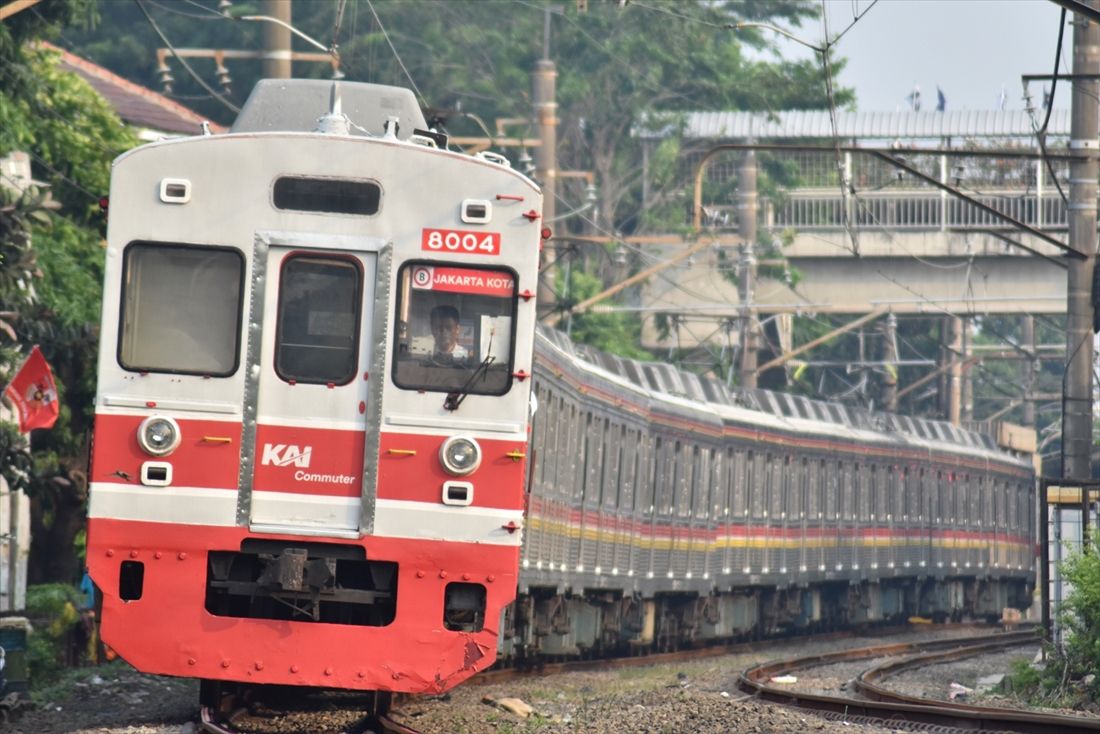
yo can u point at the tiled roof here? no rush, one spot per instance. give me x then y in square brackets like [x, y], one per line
[135, 104]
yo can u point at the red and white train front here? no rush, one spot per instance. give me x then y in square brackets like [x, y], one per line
[311, 422]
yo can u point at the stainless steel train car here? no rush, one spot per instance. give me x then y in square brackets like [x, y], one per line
[311, 421]
[665, 509]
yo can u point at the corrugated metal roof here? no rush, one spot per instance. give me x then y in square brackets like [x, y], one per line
[135, 104]
[863, 125]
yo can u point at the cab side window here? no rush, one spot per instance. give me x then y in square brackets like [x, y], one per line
[181, 309]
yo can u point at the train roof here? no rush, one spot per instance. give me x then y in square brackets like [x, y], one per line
[295, 105]
[756, 405]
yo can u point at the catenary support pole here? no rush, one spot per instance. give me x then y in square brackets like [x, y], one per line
[1084, 170]
[546, 157]
[746, 272]
[277, 40]
[890, 358]
[1027, 328]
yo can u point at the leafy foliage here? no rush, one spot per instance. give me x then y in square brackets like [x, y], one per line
[618, 66]
[1069, 677]
[1080, 615]
[612, 332]
[52, 610]
[51, 266]
[41, 22]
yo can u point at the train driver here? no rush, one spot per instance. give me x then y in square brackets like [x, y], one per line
[444, 324]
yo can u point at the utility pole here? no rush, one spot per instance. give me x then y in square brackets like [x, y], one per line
[954, 400]
[890, 370]
[746, 228]
[967, 410]
[277, 40]
[1084, 171]
[546, 155]
[1028, 338]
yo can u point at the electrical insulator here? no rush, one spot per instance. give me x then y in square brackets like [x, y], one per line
[223, 77]
[166, 78]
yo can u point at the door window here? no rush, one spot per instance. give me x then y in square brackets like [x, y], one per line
[317, 338]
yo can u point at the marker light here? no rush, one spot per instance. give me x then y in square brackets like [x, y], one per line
[158, 435]
[460, 455]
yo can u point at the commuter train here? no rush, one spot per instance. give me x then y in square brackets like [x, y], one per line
[326, 421]
[665, 510]
[313, 400]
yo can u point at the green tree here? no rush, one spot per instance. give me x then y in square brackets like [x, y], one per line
[471, 62]
[52, 291]
[1064, 680]
[1080, 615]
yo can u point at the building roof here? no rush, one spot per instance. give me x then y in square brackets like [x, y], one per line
[135, 104]
[864, 125]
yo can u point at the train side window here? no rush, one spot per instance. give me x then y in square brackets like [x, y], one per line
[629, 451]
[581, 469]
[758, 492]
[455, 329]
[739, 478]
[794, 478]
[317, 337]
[613, 468]
[181, 309]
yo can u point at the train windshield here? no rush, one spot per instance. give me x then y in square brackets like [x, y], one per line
[181, 309]
[454, 329]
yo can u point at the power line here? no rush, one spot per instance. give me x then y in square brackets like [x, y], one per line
[396, 55]
[1041, 133]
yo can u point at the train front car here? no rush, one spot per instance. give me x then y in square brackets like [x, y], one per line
[311, 422]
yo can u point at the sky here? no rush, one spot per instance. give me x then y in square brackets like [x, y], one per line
[971, 49]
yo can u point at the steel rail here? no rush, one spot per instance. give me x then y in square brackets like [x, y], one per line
[1042, 722]
[938, 713]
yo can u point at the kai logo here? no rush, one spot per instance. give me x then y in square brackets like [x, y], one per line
[279, 454]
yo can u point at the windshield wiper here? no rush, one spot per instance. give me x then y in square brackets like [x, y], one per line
[454, 399]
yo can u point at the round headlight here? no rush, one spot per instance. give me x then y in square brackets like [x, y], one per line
[158, 436]
[460, 455]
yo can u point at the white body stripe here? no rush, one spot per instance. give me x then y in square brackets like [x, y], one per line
[305, 510]
[182, 505]
[394, 518]
[424, 521]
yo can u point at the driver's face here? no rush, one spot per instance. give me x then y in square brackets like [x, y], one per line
[445, 332]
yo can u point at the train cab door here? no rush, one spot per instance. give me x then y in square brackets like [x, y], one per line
[313, 309]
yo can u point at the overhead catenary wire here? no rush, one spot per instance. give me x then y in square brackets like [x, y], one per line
[1041, 133]
[396, 55]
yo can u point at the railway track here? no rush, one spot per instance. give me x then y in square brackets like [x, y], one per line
[877, 706]
[879, 703]
[238, 711]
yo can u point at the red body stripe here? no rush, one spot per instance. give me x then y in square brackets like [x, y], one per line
[319, 461]
[196, 463]
[419, 477]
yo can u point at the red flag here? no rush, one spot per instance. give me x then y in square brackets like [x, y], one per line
[33, 393]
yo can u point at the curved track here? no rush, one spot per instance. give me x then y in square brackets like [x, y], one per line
[882, 704]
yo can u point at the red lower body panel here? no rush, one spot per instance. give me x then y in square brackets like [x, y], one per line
[168, 630]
